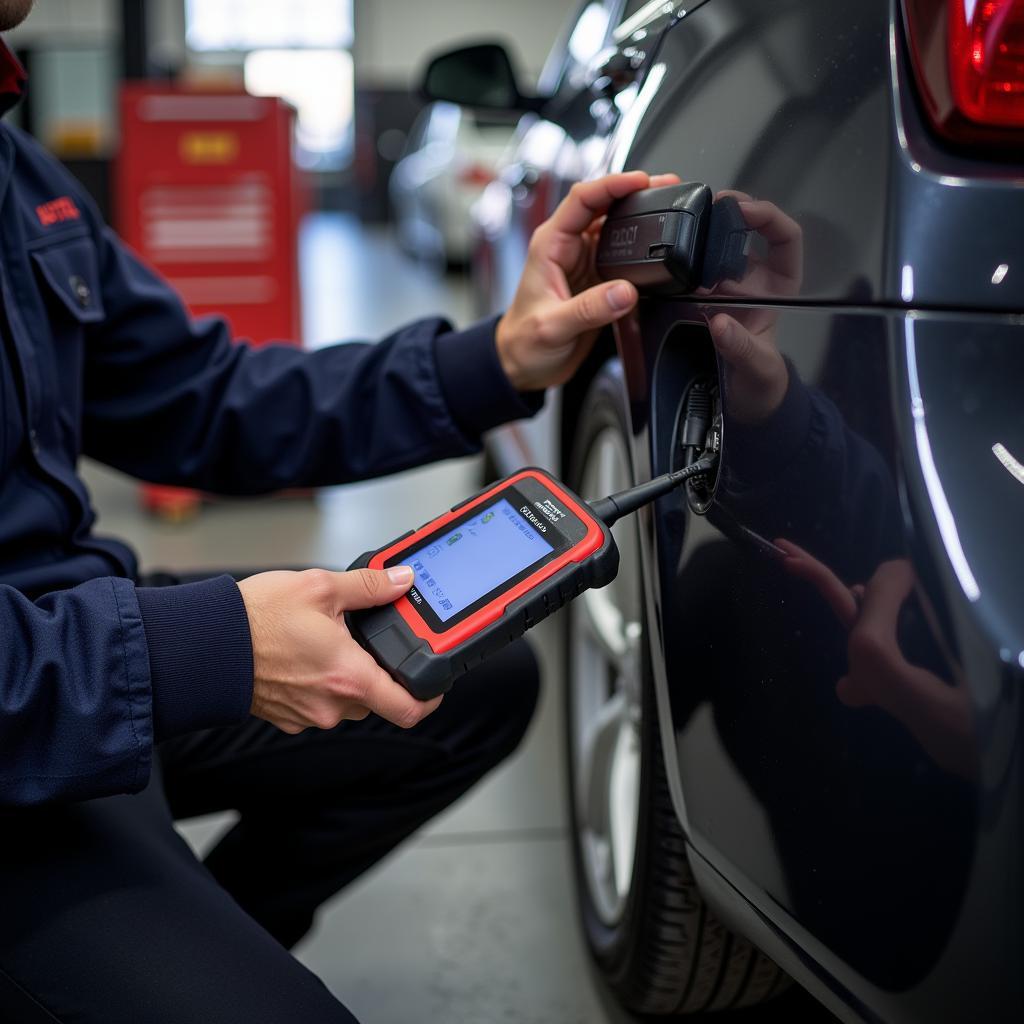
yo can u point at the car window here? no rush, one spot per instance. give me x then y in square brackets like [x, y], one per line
[583, 38]
[637, 13]
[632, 6]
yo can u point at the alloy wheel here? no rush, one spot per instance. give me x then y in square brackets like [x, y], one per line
[605, 699]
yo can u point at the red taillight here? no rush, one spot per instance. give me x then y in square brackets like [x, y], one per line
[986, 60]
[476, 175]
[968, 56]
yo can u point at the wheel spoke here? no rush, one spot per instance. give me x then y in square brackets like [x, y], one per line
[607, 626]
[609, 469]
[606, 638]
[623, 806]
[597, 752]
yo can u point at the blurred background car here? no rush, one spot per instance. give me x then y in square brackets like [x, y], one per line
[449, 159]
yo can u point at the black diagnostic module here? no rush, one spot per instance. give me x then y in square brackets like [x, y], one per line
[674, 239]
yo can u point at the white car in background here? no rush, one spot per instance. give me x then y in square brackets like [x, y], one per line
[450, 157]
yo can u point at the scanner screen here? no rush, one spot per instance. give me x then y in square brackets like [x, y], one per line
[480, 554]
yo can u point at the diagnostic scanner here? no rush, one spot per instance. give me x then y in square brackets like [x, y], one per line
[489, 569]
[672, 239]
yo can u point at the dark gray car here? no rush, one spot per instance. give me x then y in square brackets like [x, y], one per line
[793, 727]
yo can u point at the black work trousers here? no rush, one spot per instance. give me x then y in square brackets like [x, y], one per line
[106, 917]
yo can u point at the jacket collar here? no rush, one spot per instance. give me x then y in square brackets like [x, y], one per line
[12, 78]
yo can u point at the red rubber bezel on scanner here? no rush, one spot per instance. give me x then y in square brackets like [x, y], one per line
[462, 631]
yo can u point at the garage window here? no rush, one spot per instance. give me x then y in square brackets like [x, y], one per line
[299, 50]
[258, 24]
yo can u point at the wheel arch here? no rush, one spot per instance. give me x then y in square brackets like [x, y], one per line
[574, 393]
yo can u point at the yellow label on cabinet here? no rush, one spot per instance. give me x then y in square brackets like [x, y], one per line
[208, 147]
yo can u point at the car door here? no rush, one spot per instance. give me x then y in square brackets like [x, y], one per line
[825, 773]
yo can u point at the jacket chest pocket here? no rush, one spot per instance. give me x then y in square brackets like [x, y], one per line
[69, 282]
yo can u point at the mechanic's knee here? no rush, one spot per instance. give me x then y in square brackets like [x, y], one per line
[520, 687]
[503, 692]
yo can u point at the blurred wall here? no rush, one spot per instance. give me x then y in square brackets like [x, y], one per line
[52, 21]
[72, 49]
[392, 36]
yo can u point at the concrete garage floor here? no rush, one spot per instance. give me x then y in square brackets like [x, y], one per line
[471, 922]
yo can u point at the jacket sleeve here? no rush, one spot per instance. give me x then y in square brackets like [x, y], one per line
[176, 401]
[91, 677]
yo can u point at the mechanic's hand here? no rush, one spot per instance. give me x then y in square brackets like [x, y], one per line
[756, 377]
[309, 672]
[560, 306]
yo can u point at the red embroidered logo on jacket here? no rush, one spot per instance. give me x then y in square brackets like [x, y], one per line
[56, 211]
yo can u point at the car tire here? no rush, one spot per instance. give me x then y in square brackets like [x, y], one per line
[654, 941]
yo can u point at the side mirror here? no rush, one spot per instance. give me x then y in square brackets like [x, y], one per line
[478, 76]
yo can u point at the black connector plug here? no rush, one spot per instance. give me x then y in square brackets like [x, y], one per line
[611, 509]
[697, 420]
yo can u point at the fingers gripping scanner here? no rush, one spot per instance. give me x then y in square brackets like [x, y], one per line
[491, 568]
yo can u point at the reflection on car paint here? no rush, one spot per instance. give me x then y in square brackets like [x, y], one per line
[832, 682]
[846, 724]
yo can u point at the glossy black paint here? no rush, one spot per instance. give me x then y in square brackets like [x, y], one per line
[877, 839]
[849, 775]
[841, 723]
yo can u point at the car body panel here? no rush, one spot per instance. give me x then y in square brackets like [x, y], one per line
[810, 106]
[887, 857]
[852, 796]
[878, 843]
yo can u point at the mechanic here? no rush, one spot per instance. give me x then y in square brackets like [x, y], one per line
[124, 705]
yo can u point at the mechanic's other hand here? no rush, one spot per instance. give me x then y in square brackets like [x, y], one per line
[560, 305]
[309, 672]
[938, 715]
[775, 267]
[756, 375]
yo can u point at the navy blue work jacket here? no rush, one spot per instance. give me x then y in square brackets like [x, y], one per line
[98, 356]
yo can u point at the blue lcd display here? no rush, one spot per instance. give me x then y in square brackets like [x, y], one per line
[459, 567]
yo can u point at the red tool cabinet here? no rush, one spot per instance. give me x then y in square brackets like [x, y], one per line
[207, 192]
